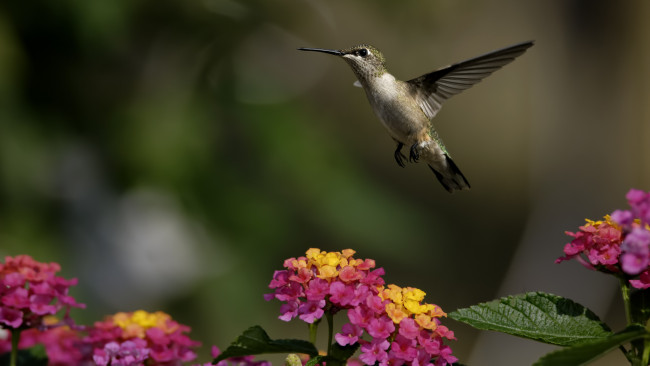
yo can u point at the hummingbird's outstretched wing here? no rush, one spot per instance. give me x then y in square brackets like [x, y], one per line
[432, 89]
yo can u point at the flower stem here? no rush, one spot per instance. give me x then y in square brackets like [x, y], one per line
[625, 291]
[313, 331]
[640, 352]
[15, 338]
[330, 330]
[646, 352]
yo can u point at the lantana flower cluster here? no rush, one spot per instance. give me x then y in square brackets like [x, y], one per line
[31, 294]
[618, 244]
[400, 328]
[30, 290]
[153, 335]
[124, 339]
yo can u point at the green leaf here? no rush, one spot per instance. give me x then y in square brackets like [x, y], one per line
[255, 341]
[315, 360]
[343, 353]
[583, 353]
[338, 356]
[536, 315]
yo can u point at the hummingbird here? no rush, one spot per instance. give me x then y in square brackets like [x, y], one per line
[406, 108]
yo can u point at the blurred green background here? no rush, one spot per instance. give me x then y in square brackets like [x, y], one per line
[171, 154]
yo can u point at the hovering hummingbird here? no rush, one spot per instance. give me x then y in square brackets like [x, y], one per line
[406, 108]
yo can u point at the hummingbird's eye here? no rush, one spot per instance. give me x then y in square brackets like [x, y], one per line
[363, 52]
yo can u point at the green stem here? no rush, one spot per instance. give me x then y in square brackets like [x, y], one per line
[625, 290]
[646, 352]
[313, 331]
[15, 338]
[640, 351]
[330, 330]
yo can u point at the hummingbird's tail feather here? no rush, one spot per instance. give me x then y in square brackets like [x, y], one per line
[450, 176]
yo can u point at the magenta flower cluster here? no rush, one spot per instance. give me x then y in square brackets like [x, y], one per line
[165, 340]
[400, 329]
[619, 244]
[30, 296]
[304, 291]
[30, 290]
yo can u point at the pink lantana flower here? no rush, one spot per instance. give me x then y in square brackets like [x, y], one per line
[350, 334]
[408, 328]
[165, 339]
[310, 311]
[30, 290]
[375, 352]
[636, 251]
[381, 327]
[403, 348]
[619, 244]
[599, 242]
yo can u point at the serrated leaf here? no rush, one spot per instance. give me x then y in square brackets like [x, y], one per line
[255, 341]
[536, 315]
[583, 353]
[315, 360]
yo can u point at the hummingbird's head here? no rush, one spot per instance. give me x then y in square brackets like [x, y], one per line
[366, 61]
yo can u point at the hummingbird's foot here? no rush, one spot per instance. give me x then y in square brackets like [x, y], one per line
[399, 157]
[415, 155]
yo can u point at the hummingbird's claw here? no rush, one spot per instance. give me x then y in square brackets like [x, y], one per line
[399, 157]
[415, 155]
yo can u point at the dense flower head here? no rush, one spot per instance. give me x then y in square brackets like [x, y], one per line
[418, 332]
[320, 279]
[164, 338]
[137, 338]
[619, 244]
[597, 241]
[30, 290]
[399, 327]
[31, 293]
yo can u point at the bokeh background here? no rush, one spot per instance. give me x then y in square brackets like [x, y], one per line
[171, 154]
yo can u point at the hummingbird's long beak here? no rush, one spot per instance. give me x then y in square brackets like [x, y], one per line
[331, 52]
